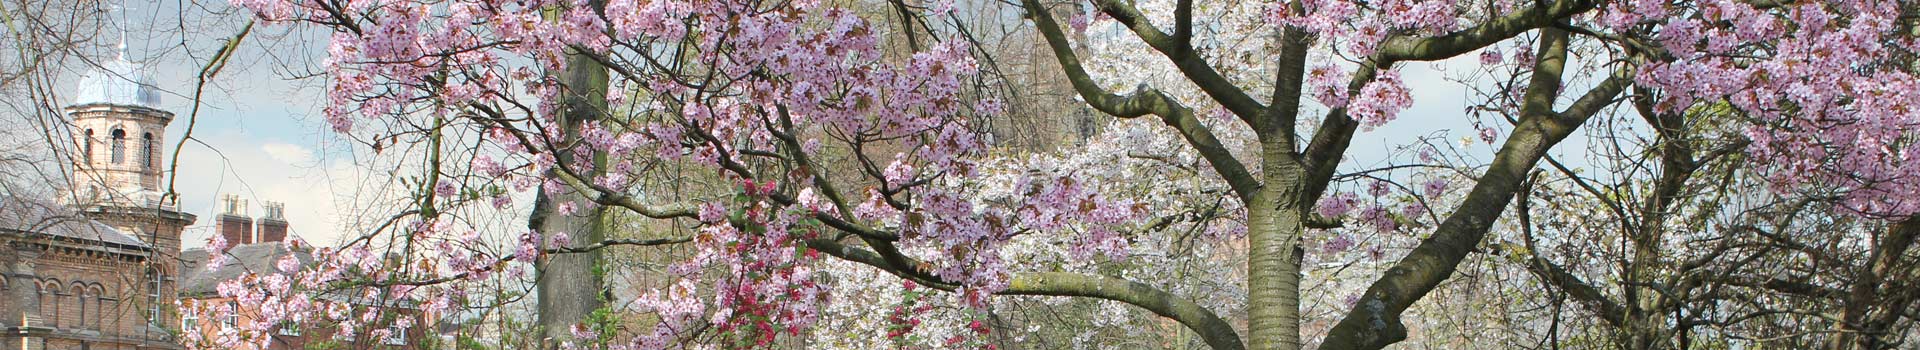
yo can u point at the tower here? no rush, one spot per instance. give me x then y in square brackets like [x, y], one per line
[120, 132]
[117, 166]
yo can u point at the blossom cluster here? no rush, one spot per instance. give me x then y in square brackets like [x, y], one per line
[1362, 26]
[1831, 104]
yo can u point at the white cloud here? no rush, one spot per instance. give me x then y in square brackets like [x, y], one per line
[288, 153]
[234, 162]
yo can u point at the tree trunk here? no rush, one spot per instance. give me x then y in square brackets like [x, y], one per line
[1273, 258]
[569, 289]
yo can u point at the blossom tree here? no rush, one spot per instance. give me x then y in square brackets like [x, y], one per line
[1799, 98]
[1291, 178]
[824, 143]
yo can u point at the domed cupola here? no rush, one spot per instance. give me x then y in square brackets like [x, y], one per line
[120, 133]
[118, 82]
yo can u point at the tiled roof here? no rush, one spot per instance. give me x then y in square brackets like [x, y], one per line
[258, 257]
[33, 217]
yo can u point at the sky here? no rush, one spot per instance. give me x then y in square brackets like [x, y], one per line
[258, 134]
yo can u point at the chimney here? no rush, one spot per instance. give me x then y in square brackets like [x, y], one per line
[233, 224]
[273, 227]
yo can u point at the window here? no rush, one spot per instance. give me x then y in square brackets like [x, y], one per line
[50, 303]
[99, 308]
[233, 315]
[119, 146]
[153, 296]
[396, 338]
[146, 151]
[87, 146]
[189, 320]
[79, 319]
[288, 328]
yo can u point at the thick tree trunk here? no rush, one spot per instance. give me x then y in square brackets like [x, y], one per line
[1273, 258]
[568, 287]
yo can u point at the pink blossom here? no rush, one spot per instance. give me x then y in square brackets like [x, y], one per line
[1489, 135]
[1380, 100]
[1378, 217]
[1434, 187]
[1378, 188]
[1340, 242]
[1336, 205]
[1327, 84]
[1078, 22]
[445, 189]
[288, 264]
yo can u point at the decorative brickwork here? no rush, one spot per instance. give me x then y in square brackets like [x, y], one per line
[97, 270]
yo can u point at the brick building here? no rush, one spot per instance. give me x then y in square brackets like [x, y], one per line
[257, 245]
[100, 266]
[96, 267]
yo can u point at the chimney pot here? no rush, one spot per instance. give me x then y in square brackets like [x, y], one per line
[233, 223]
[273, 227]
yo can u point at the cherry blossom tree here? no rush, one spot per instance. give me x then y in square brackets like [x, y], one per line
[827, 138]
[1750, 95]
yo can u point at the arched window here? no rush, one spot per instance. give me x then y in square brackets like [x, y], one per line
[87, 146]
[119, 146]
[154, 283]
[49, 302]
[146, 151]
[80, 297]
[97, 297]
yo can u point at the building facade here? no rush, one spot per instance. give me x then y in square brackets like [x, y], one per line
[96, 267]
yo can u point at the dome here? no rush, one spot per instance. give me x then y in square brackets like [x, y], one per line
[118, 82]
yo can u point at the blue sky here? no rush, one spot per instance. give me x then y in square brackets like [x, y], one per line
[258, 134]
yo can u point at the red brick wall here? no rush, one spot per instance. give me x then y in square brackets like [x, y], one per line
[237, 230]
[273, 230]
[86, 296]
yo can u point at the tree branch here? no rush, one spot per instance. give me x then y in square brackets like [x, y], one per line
[1143, 101]
[1375, 321]
[1215, 331]
[1336, 130]
[1178, 49]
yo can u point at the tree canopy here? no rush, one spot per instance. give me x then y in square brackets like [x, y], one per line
[1147, 173]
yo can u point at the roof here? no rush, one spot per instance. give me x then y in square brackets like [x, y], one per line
[256, 257]
[35, 217]
[118, 82]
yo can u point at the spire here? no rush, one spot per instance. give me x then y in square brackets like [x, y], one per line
[118, 81]
[121, 48]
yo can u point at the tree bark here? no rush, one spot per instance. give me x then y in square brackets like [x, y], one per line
[1273, 257]
[569, 289]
